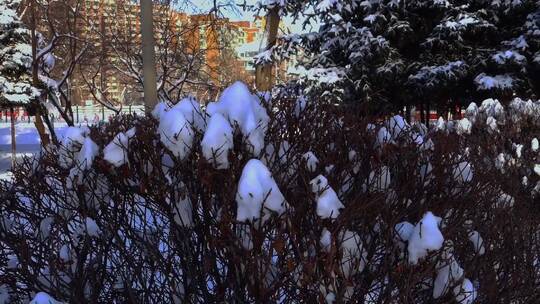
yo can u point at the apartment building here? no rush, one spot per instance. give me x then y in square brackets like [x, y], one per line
[110, 68]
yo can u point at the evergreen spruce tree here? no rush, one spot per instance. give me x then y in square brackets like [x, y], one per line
[438, 52]
[15, 59]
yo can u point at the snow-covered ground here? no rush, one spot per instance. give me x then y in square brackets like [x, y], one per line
[27, 143]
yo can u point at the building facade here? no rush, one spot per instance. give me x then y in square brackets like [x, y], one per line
[194, 53]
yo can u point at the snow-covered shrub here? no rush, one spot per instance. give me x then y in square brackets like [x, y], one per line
[318, 205]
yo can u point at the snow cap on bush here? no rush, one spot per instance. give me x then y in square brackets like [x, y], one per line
[257, 189]
[397, 125]
[116, 151]
[425, 237]
[176, 133]
[311, 161]
[191, 109]
[43, 298]
[328, 203]
[218, 141]
[240, 107]
[354, 255]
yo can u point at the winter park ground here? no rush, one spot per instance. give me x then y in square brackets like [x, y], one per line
[27, 143]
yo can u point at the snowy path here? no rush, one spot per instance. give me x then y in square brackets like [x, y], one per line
[5, 156]
[27, 140]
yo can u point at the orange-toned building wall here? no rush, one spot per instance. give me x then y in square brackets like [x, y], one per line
[107, 22]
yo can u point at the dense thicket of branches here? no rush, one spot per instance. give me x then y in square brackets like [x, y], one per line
[116, 234]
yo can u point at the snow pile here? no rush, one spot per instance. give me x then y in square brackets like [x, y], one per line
[242, 108]
[465, 293]
[464, 126]
[8, 15]
[77, 148]
[326, 240]
[535, 144]
[323, 75]
[459, 23]
[65, 253]
[491, 124]
[191, 109]
[463, 172]
[477, 241]
[425, 237]
[379, 179]
[159, 110]
[328, 203]
[492, 107]
[396, 126]
[48, 61]
[183, 211]
[116, 151]
[218, 141]
[504, 201]
[12, 262]
[73, 136]
[448, 272]
[536, 169]
[91, 227]
[71, 143]
[257, 189]
[4, 294]
[403, 231]
[88, 153]
[311, 161]
[471, 112]
[521, 110]
[441, 125]
[354, 256]
[176, 132]
[383, 137]
[45, 227]
[43, 298]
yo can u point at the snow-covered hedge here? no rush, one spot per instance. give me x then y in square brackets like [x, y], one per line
[258, 199]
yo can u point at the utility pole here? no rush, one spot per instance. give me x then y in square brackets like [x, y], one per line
[149, 65]
[264, 78]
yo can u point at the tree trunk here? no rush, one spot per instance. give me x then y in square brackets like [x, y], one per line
[428, 111]
[264, 79]
[422, 113]
[149, 66]
[13, 142]
[35, 79]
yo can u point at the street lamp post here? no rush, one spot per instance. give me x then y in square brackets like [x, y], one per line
[149, 66]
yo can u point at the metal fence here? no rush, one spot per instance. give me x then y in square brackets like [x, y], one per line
[81, 114]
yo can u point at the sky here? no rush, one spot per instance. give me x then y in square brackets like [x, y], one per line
[235, 12]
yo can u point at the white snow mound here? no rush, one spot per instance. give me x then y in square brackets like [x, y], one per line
[218, 141]
[176, 133]
[425, 237]
[257, 188]
[328, 203]
[242, 108]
